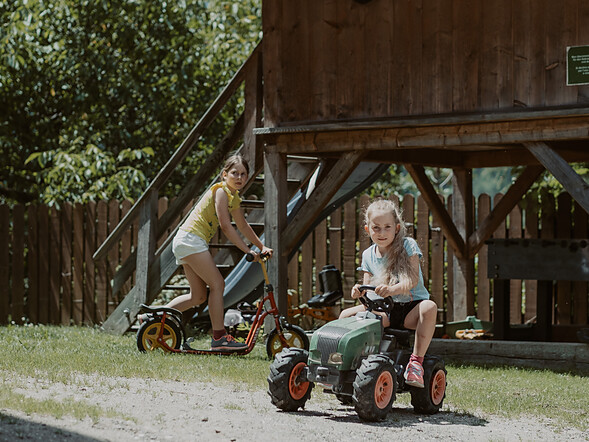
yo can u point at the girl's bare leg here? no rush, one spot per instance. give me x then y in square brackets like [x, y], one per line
[351, 311]
[204, 272]
[422, 319]
[197, 295]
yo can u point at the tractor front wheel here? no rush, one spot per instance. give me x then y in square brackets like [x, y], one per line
[375, 388]
[287, 386]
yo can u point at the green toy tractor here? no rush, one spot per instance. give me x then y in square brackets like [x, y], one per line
[361, 363]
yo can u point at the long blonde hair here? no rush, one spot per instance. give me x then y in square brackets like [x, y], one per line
[397, 267]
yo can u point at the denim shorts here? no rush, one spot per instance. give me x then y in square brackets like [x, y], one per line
[186, 244]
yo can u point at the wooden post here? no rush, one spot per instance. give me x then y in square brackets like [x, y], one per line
[275, 197]
[463, 269]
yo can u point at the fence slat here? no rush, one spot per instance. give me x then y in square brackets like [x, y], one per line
[422, 238]
[564, 288]
[483, 289]
[4, 264]
[78, 268]
[66, 263]
[531, 231]
[43, 293]
[580, 295]
[18, 263]
[113, 254]
[32, 263]
[307, 269]
[101, 277]
[335, 238]
[363, 237]
[349, 248]
[547, 219]
[320, 251]
[515, 300]
[449, 272]
[89, 267]
[54, 267]
[437, 265]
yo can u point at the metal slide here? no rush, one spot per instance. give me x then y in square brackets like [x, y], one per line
[246, 281]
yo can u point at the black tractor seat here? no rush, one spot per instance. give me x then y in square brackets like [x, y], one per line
[325, 299]
[403, 336]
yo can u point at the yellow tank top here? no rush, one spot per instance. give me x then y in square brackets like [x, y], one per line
[203, 220]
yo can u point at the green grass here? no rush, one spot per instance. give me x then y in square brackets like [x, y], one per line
[62, 354]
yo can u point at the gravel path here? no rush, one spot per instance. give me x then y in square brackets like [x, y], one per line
[194, 411]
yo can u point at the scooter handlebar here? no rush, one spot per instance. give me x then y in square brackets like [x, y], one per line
[249, 257]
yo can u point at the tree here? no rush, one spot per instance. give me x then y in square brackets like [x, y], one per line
[97, 94]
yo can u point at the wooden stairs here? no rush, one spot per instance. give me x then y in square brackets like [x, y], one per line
[154, 266]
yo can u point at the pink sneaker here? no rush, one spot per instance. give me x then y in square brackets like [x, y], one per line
[414, 374]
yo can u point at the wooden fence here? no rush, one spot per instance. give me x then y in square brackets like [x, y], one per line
[47, 274]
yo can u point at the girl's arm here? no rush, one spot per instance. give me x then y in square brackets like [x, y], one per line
[402, 287]
[221, 207]
[248, 232]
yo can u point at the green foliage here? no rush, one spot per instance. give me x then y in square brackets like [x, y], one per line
[97, 94]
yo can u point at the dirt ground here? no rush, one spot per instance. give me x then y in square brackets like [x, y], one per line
[192, 411]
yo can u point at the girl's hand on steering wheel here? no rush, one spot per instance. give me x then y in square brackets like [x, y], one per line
[384, 291]
[356, 293]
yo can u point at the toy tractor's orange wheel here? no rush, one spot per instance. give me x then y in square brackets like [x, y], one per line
[438, 387]
[383, 390]
[296, 388]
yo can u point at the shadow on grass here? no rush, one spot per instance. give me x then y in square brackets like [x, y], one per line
[15, 428]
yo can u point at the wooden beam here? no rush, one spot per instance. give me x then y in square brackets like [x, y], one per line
[433, 201]
[324, 191]
[463, 268]
[276, 199]
[562, 171]
[515, 193]
[253, 92]
[423, 134]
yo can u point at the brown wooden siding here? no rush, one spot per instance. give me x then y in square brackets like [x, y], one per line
[332, 60]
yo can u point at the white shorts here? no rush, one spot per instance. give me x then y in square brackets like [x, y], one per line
[185, 244]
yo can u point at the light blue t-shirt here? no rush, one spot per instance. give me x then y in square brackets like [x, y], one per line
[374, 265]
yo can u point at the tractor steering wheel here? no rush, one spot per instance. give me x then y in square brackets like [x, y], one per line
[378, 305]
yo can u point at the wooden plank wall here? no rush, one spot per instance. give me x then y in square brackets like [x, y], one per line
[47, 274]
[332, 60]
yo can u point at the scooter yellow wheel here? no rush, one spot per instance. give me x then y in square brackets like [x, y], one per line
[294, 335]
[149, 331]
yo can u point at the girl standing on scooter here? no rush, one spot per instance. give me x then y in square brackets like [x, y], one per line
[391, 264]
[190, 246]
